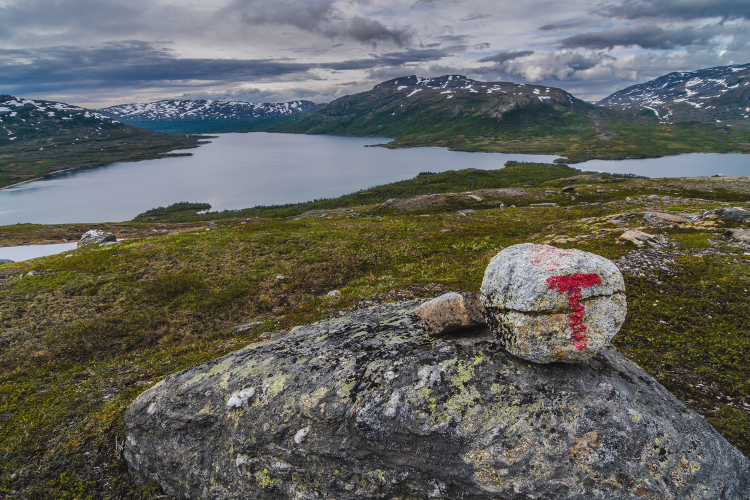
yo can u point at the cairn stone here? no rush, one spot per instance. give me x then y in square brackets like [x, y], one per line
[95, 237]
[451, 311]
[546, 304]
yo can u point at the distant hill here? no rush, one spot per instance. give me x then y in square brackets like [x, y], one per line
[40, 137]
[207, 116]
[463, 114]
[720, 94]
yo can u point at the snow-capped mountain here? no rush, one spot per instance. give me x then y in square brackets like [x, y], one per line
[184, 115]
[23, 118]
[714, 94]
[449, 86]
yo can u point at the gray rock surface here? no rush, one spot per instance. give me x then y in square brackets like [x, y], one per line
[6, 261]
[635, 236]
[95, 237]
[451, 311]
[738, 234]
[369, 407]
[736, 214]
[546, 304]
[661, 219]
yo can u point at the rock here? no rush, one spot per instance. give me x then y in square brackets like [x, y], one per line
[635, 236]
[546, 304]
[280, 277]
[95, 237]
[368, 406]
[660, 219]
[736, 214]
[475, 197]
[333, 293]
[568, 189]
[738, 234]
[451, 311]
[467, 212]
[6, 261]
[125, 231]
[246, 326]
[543, 205]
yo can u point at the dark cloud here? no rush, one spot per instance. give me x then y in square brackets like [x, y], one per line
[481, 46]
[474, 17]
[646, 37]
[391, 59]
[677, 9]
[129, 64]
[320, 17]
[565, 26]
[502, 57]
[137, 65]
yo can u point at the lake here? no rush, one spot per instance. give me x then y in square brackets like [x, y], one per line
[246, 170]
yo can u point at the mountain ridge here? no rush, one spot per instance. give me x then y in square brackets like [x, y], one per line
[720, 94]
[206, 115]
[39, 137]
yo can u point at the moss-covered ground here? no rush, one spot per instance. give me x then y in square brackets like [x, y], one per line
[86, 332]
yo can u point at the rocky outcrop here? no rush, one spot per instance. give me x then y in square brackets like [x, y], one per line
[660, 219]
[95, 237]
[6, 261]
[738, 234]
[368, 406]
[450, 312]
[735, 214]
[546, 304]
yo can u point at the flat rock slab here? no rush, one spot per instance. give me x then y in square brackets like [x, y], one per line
[370, 407]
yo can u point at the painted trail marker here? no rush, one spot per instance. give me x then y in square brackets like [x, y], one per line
[547, 304]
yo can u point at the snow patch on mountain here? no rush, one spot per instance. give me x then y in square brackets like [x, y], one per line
[185, 109]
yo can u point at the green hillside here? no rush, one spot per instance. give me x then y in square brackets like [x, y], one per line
[38, 138]
[463, 114]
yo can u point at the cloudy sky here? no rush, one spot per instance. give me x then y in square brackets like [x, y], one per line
[97, 53]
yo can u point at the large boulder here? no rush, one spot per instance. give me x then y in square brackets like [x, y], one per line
[95, 237]
[546, 304]
[368, 406]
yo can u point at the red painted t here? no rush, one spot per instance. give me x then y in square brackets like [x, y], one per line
[573, 285]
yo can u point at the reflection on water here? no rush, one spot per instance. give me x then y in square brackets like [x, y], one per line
[19, 253]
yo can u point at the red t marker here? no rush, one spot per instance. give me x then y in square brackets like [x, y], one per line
[573, 285]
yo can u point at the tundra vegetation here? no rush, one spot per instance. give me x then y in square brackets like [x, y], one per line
[85, 332]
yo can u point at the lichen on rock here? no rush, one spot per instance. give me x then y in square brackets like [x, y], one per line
[368, 406]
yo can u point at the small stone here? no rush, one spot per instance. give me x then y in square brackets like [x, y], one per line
[545, 304]
[635, 236]
[246, 326]
[333, 293]
[451, 311]
[95, 237]
[467, 212]
[280, 277]
[475, 197]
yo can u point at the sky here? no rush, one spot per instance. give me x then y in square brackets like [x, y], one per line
[98, 53]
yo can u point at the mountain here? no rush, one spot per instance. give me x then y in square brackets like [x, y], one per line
[720, 94]
[207, 116]
[463, 114]
[40, 137]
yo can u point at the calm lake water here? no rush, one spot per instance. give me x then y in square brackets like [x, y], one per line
[245, 170]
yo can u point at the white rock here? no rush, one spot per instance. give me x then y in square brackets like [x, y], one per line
[546, 304]
[96, 236]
